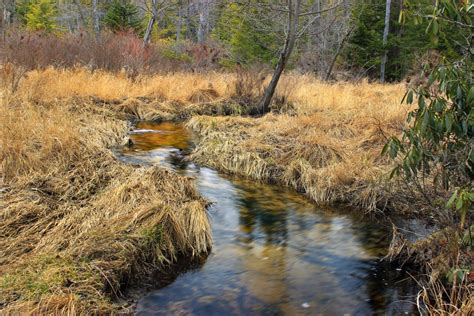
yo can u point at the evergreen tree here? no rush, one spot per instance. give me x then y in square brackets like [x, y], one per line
[21, 9]
[250, 36]
[41, 15]
[122, 16]
[365, 48]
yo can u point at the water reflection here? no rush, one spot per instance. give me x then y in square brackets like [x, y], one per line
[148, 136]
[275, 253]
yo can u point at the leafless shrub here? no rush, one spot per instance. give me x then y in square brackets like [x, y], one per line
[205, 56]
[123, 52]
[248, 86]
[10, 77]
[283, 95]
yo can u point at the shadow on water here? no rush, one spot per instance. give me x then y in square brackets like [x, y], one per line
[275, 252]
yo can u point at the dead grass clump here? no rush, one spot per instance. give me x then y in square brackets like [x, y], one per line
[77, 226]
[324, 154]
[204, 95]
[436, 298]
[248, 85]
[10, 77]
[448, 286]
[183, 88]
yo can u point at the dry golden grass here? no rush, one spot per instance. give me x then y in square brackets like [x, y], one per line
[329, 148]
[438, 299]
[51, 84]
[65, 197]
[182, 95]
[437, 254]
[191, 88]
[76, 226]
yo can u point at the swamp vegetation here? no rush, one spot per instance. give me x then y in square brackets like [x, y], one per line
[79, 227]
[123, 163]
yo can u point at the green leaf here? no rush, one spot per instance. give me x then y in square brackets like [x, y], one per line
[385, 148]
[410, 97]
[438, 106]
[459, 92]
[470, 95]
[431, 79]
[421, 102]
[435, 27]
[452, 199]
[425, 122]
[459, 203]
[442, 73]
[449, 122]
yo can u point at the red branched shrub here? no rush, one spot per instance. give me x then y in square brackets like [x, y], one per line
[108, 51]
[206, 55]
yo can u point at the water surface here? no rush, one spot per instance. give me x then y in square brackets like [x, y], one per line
[275, 253]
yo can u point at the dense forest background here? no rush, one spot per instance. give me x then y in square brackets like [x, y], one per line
[345, 39]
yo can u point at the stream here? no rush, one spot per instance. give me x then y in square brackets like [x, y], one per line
[275, 252]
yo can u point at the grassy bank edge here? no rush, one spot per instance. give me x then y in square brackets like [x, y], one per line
[252, 148]
[78, 226]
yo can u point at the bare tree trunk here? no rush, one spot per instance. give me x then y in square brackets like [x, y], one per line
[95, 17]
[81, 14]
[200, 33]
[188, 20]
[292, 26]
[203, 21]
[180, 22]
[8, 11]
[385, 40]
[149, 28]
[6, 16]
[270, 90]
[151, 23]
[338, 52]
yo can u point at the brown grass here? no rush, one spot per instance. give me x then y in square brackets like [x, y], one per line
[436, 255]
[328, 148]
[69, 198]
[76, 225]
[50, 84]
[436, 298]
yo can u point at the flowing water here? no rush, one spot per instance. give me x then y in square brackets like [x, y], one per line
[274, 251]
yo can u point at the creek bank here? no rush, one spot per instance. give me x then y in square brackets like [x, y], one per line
[77, 226]
[268, 235]
[336, 158]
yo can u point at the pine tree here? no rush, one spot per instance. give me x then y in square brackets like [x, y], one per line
[123, 16]
[41, 15]
[21, 9]
[365, 49]
[242, 32]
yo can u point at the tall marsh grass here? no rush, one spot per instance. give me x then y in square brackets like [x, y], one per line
[77, 226]
[64, 197]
